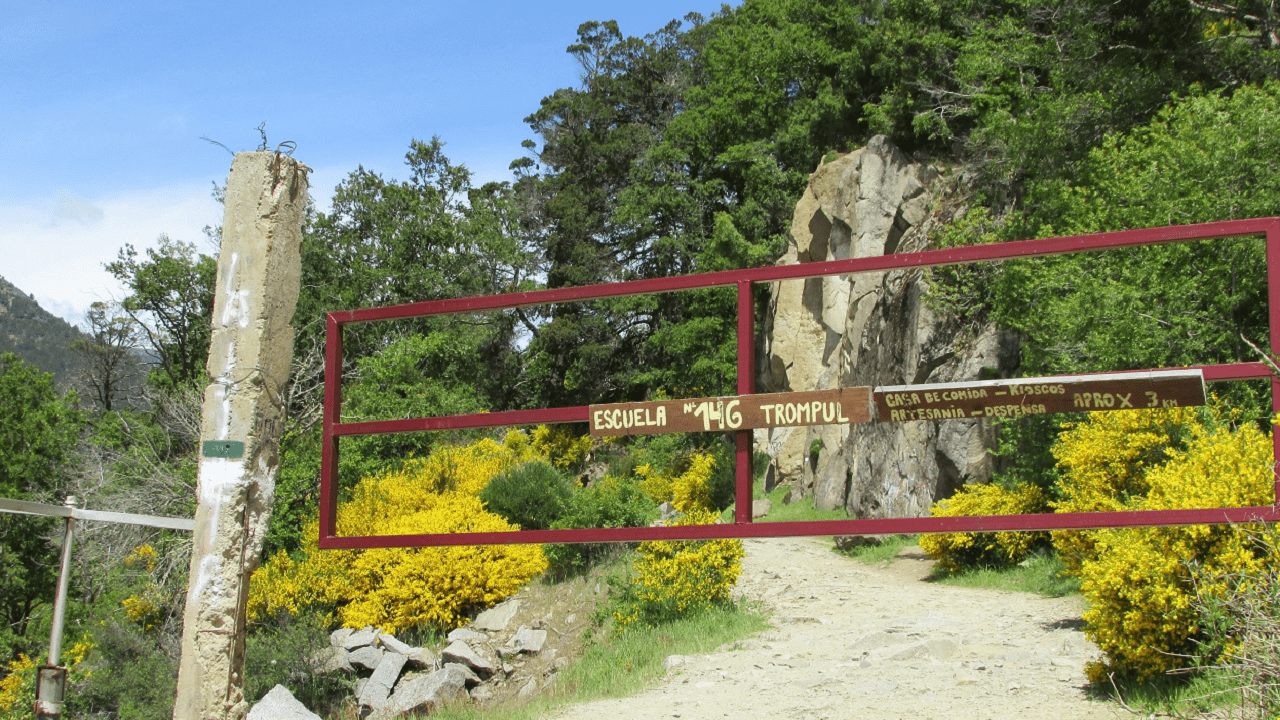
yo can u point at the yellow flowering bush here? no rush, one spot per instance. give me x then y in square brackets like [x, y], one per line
[18, 686]
[675, 578]
[680, 577]
[956, 551]
[396, 588]
[559, 446]
[145, 608]
[1139, 581]
[1104, 463]
[684, 490]
[656, 484]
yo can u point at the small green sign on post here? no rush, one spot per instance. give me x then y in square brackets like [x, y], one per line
[230, 449]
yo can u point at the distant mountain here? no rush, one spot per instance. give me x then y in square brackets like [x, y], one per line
[40, 338]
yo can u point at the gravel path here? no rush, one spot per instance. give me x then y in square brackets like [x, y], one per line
[877, 643]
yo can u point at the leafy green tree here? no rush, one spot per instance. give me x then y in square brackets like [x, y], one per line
[388, 242]
[727, 116]
[38, 428]
[617, 202]
[1205, 157]
[171, 299]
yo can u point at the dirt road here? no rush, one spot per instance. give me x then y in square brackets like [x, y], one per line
[876, 643]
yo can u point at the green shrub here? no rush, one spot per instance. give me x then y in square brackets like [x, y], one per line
[1239, 619]
[533, 495]
[131, 674]
[291, 653]
[610, 502]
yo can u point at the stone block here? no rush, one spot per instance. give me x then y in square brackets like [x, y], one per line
[466, 635]
[389, 642]
[366, 657]
[280, 704]
[331, 659]
[377, 689]
[529, 641]
[475, 658]
[359, 638]
[424, 694]
[496, 618]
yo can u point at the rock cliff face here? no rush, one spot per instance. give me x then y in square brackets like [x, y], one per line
[873, 329]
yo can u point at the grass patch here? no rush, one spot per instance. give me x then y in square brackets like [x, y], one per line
[1175, 695]
[624, 664]
[886, 551]
[800, 510]
[1040, 574]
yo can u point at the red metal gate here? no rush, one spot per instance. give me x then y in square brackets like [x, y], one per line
[744, 280]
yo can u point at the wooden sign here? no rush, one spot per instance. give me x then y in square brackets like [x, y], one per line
[1035, 396]
[743, 412]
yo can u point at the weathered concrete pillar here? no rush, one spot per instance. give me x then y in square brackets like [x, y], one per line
[249, 357]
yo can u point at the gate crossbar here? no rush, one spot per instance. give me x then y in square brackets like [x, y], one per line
[744, 280]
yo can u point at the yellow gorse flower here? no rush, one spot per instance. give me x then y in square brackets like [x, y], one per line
[1139, 580]
[955, 551]
[18, 686]
[675, 578]
[396, 588]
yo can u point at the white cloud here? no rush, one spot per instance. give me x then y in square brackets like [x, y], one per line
[56, 251]
[73, 208]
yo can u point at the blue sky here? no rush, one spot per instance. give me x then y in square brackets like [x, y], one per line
[103, 104]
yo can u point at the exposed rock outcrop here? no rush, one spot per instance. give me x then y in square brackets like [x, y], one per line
[873, 329]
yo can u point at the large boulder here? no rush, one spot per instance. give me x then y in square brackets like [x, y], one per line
[873, 329]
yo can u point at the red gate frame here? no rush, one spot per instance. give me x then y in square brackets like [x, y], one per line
[743, 527]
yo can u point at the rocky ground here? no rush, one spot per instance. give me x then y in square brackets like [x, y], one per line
[854, 640]
[848, 640]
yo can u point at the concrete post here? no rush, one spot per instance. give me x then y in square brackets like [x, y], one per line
[249, 358]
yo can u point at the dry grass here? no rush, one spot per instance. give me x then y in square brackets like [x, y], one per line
[1242, 630]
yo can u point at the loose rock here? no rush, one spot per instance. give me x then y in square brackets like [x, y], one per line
[338, 637]
[426, 693]
[359, 638]
[366, 657]
[529, 641]
[375, 692]
[849, 542]
[280, 704]
[390, 642]
[496, 618]
[467, 635]
[464, 654]
[331, 659]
